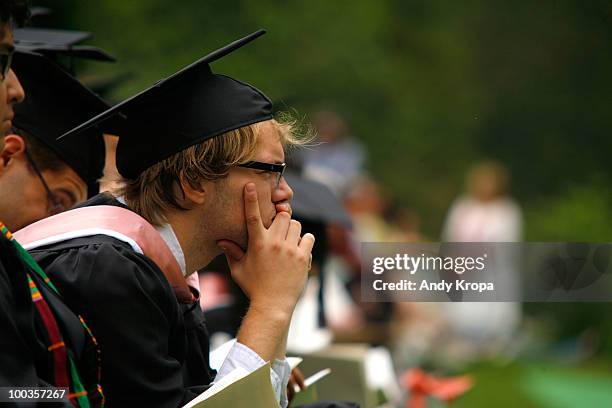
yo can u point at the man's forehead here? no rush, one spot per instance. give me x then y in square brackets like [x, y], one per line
[269, 146]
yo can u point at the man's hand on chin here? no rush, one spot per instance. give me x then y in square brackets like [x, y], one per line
[272, 273]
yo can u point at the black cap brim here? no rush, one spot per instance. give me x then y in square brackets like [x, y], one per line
[28, 37]
[53, 43]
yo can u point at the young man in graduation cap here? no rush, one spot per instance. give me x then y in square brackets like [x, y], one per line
[202, 158]
[42, 342]
[43, 175]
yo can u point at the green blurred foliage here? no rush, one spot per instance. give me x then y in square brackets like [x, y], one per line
[429, 86]
[537, 385]
[578, 213]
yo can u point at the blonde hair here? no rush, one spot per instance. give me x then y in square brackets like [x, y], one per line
[158, 188]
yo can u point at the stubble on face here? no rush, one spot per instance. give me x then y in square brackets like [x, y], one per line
[224, 217]
[225, 212]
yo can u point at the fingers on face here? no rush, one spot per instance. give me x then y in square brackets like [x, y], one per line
[251, 211]
[280, 225]
[307, 242]
[293, 233]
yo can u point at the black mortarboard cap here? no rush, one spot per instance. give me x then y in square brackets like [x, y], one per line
[49, 36]
[314, 201]
[56, 102]
[186, 108]
[53, 42]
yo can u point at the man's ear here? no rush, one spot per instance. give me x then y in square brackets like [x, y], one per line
[193, 195]
[13, 145]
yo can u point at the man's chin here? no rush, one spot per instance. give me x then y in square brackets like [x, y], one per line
[242, 245]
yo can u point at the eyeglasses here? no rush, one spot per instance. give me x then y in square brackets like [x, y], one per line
[6, 58]
[271, 167]
[56, 206]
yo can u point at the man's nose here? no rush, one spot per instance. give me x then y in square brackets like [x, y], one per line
[15, 92]
[283, 192]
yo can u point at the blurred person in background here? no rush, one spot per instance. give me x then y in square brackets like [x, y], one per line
[485, 213]
[376, 217]
[407, 222]
[339, 158]
[368, 206]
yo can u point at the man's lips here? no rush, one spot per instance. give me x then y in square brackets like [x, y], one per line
[285, 207]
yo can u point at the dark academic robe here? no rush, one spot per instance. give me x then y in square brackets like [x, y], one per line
[155, 351]
[18, 340]
[24, 358]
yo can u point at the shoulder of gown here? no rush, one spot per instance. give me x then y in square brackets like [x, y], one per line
[132, 311]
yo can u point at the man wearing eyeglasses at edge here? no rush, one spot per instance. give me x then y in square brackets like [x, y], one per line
[42, 343]
[41, 175]
[11, 91]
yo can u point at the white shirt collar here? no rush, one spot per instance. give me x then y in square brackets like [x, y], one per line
[168, 235]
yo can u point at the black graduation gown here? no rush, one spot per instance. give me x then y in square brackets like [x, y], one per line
[154, 351]
[18, 344]
[24, 358]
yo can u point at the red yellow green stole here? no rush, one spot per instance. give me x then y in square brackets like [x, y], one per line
[65, 372]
